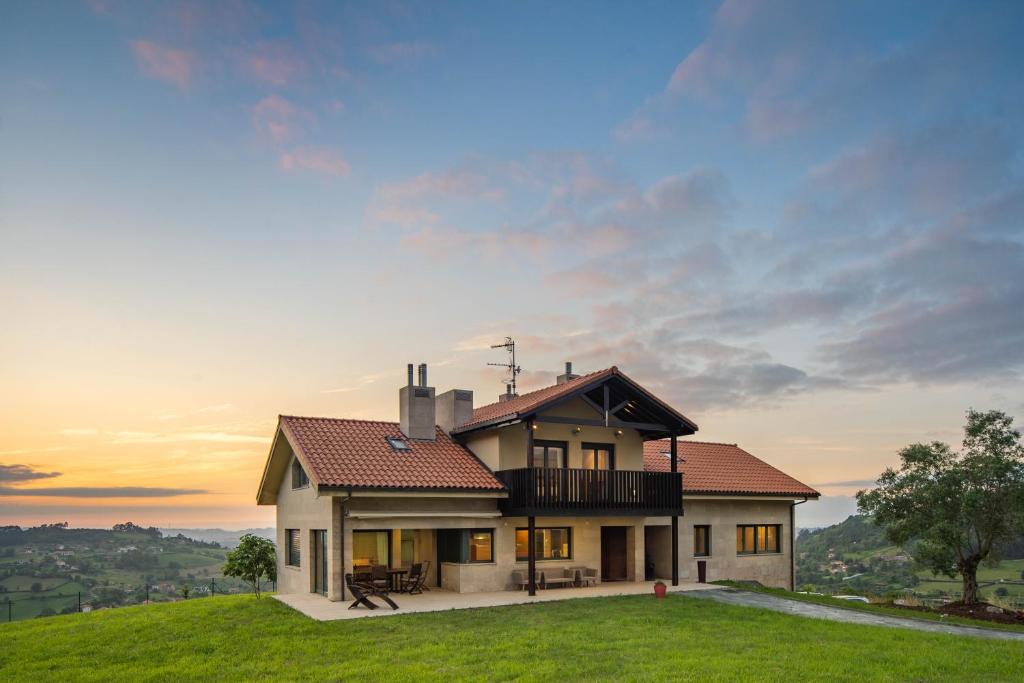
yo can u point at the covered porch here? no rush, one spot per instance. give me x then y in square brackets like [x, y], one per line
[320, 608]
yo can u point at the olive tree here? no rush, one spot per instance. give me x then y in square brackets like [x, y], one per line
[952, 510]
[253, 561]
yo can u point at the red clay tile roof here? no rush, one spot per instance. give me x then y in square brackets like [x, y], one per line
[528, 403]
[524, 403]
[356, 453]
[723, 468]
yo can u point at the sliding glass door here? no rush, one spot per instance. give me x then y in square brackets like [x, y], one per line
[319, 561]
[371, 547]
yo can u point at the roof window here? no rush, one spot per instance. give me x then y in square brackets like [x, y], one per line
[398, 444]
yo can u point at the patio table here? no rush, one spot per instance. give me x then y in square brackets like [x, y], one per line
[395, 575]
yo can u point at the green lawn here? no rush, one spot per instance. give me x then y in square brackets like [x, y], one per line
[624, 638]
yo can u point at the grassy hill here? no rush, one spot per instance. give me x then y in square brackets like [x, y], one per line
[635, 637]
[44, 569]
[855, 557]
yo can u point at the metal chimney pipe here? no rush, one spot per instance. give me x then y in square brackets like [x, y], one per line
[423, 374]
[410, 374]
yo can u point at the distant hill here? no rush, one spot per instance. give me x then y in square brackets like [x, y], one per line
[226, 538]
[50, 569]
[855, 534]
[854, 556]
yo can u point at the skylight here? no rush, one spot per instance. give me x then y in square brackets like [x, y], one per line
[398, 444]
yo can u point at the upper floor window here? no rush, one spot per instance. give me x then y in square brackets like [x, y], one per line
[701, 540]
[299, 478]
[598, 456]
[548, 454]
[754, 539]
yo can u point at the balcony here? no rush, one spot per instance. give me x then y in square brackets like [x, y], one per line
[565, 491]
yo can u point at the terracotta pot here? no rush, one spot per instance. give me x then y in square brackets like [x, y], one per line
[660, 589]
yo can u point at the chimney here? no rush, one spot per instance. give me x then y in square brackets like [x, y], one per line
[562, 379]
[416, 408]
[508, 395]
[454, 409]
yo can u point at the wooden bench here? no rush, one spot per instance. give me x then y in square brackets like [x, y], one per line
[556, 580]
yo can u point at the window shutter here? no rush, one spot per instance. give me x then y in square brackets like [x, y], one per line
[293, 547]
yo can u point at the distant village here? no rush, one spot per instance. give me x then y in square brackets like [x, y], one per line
[54, 569]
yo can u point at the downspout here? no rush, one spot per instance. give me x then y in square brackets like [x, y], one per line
[792, 543]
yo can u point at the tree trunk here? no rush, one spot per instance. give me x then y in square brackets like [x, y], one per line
[969, 571]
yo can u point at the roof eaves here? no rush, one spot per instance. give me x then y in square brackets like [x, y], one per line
[597, 377]
[723, 492]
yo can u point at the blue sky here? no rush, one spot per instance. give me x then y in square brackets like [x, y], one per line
[800, 222]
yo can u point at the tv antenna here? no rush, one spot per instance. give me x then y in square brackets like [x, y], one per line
[513, 369]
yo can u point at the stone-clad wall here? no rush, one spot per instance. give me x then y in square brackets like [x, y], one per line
[724, 563]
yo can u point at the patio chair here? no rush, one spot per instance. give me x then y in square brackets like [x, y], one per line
[356, 589]
[426, 574]
[412, 583]
[363, 591]
[379, 576]
[519, 579]
[589, 577]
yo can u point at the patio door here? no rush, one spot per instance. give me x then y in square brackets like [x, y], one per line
[319, 561]
[613, 553]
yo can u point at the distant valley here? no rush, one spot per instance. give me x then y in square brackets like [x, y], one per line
[854, 557]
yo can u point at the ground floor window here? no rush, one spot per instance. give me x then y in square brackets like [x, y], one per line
[464, 546]
[292, 555]
[701, 540]
[551, 543]
[754, 539]
[370, 548]
[481, 545]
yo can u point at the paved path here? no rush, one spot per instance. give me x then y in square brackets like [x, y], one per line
[809, 609]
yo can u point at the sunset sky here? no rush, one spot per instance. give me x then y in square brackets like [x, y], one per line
[800, 223]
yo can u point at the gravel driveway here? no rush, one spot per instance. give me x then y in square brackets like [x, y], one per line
[732, 596]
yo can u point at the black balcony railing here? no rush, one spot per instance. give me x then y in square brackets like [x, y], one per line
[565, 491]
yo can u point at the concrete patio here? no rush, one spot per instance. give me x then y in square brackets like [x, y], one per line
[320, 608]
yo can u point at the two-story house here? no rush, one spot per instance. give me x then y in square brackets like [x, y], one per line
[591, 471]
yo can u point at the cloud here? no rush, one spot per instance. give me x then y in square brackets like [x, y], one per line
[407, 202]
[133, 437]
[100, 492]
[274, 63]
[205, 410]
[788, 68]
[23, 451]
[79, 431]
[10, 473]
[277, 119]
[926, 172]
[165, 64]
[399, 52]
[316, 159]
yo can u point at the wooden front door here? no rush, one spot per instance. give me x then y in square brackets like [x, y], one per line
[613, 553]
